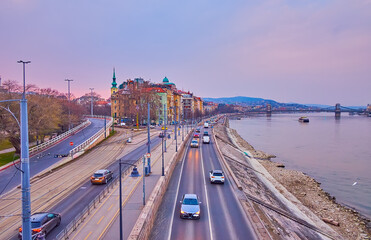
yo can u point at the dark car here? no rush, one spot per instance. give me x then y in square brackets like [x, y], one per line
[206, 133]
[198, 130]
[196, 135]
[42, 223]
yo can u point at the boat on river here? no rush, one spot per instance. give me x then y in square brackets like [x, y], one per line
[304, 119]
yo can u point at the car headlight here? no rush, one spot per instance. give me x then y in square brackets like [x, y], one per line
[182, 211]
[198, 213]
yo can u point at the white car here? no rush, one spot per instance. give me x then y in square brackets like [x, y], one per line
[216, 176]
[206, 139]
[194, 143]
[206, 125]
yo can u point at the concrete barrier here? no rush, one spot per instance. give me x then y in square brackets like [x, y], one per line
[143, 226]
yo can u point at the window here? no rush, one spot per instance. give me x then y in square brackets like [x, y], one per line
[190, 201]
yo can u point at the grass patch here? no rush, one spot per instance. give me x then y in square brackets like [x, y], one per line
[7, 158]
[5, 144]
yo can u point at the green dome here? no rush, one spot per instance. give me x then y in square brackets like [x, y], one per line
[165, 80]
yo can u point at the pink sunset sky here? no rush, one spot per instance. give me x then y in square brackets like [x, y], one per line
[304, 51]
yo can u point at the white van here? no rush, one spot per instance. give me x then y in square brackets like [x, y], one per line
[206, 125]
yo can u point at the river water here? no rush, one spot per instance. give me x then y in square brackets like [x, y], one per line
[335, 152]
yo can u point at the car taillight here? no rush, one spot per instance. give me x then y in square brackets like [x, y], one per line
[91, 177]
[20, 229]
[212, 177]
[101, 178]
[222, 177]
[36, 230]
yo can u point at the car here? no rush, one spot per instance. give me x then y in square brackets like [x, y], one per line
[206, 133]
[161, 135]
[206, 125]
[42, 223]
[101, 176]
[198, 130]
[190, 207]
[194, 143]
[206, 139]
[196, 135]
[216, 176]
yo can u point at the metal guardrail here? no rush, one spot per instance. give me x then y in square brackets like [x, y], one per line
[58, 138]
[93, 138]
[80, 218]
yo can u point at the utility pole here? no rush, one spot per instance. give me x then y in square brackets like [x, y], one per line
[91, 107]
[69, 103]
[25, 162]
[149, 140]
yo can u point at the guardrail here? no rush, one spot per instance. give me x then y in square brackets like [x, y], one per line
[93, 138]
[58, 138]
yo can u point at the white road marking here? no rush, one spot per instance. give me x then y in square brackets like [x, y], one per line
[207, 198]
[177, 192]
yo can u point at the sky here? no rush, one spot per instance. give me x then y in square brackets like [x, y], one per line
[304, 51]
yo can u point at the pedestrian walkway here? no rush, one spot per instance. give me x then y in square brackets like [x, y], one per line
[103, 223]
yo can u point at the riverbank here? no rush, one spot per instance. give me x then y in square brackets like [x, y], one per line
[291, 190]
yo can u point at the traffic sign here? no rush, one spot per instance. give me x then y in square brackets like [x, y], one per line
[148, 155]
[71, 143]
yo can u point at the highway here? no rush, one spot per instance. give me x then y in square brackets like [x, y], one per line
[11, 177]
[222, 216]
[74, 203]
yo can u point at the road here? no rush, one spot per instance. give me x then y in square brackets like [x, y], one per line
[11, 177]
[222, 216]
[72, 205]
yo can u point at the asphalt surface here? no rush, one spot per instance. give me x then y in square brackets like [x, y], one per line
[11, 177]
[222, 216]
[72, 205]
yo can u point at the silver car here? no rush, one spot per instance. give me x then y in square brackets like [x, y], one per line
[190, 208]
[42, 223]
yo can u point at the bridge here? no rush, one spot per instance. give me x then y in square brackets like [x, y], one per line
[337, 109]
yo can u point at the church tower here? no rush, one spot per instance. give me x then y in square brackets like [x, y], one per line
[114, 84]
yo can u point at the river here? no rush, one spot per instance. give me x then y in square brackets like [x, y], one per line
[335, 152]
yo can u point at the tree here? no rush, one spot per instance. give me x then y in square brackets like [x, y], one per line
[47, 113]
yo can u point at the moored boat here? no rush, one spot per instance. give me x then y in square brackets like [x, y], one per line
[304, 119]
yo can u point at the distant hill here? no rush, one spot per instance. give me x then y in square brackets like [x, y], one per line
[249, 101]
[240, 100]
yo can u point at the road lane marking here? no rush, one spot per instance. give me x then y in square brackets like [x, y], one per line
[177, 192]
[100, 219]
[87, 236]
[207, 198]
[222, 200]
[110, 207]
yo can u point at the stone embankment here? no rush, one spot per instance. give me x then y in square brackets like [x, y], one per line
[291, 204]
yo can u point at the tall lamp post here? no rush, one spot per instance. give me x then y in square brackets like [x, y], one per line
[175, 130]
[91, 105]
[135, 171]
[69, 102]
[25, 162]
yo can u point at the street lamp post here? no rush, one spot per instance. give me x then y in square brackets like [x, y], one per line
[165, 119]
[176, 139]
[120, 199]
[162, 141]
[25, 162]
[69, 102]
[91, 105]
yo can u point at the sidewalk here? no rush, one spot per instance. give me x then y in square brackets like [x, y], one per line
[103, 223]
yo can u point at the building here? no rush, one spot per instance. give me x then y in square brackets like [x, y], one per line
[129, 99]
